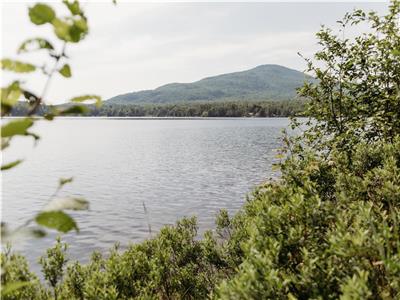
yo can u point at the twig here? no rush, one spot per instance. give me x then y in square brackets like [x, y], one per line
[147, 218]
[47, 84]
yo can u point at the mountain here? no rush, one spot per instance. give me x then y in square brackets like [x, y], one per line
[265, 82]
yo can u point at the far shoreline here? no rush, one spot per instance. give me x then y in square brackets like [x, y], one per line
[150, 118]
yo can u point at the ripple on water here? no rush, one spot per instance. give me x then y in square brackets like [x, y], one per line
[176, 167]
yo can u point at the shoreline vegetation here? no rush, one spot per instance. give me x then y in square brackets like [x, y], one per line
[150, 118]
[232, 109]
[328, 228]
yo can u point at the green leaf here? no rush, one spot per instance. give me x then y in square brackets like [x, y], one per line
[10, 94]
[37, 232]
[67, 203]
[61, 29]
[41, 14]
[34, 45]
[275, 167]
[57, 220]
[73, 7]
[81, 24]
[11, 165]
[34, 232]
[64, 181]
[85, 98]
[70, 30]
[5, 143]
[65, 71]
[78, 30]
[13, 286]
[76, 109]
[16, 127]
[16, 66]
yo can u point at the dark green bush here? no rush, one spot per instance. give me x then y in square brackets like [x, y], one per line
[305, 244]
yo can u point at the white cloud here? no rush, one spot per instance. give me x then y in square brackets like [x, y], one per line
[134, 46]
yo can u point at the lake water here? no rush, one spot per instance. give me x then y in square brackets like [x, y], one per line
[176, 167]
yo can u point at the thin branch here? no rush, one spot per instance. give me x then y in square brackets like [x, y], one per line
[39, 100]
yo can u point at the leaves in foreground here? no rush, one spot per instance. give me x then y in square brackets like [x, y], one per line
[41, 14]
[16, 127]
[71, 203]
[87, 98]
[57, 220]
[65, 71]
[11, 165]
[16, 66]
[35, 44]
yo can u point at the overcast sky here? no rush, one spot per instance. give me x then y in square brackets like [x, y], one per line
[136, 46]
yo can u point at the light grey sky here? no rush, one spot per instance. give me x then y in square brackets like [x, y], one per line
[136, 46]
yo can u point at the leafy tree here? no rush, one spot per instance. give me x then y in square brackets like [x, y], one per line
[357, 95]
[329, 228]
[190, 109]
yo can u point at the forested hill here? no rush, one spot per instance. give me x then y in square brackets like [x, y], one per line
[265, 82]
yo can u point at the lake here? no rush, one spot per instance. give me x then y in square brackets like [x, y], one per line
[176, 168]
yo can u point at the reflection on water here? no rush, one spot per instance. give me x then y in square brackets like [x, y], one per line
[176, 167]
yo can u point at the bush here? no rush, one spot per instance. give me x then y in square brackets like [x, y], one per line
[304, 243]
[291, 239]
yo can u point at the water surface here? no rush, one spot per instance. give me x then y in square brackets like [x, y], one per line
[176, 167]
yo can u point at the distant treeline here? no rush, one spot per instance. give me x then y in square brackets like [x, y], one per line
[190, 109]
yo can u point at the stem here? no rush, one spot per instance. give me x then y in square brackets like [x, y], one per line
[147, 218]
[47, 84]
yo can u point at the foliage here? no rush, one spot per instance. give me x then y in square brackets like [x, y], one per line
[172, 265]
[357, 95]
[328, 228]
[71, 28]
[17, 282]
[291, 239]
[53, 265]
[187, 109]
[205, 109]
[324, 231]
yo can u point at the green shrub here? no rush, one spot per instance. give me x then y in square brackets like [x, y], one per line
[290, 240]
[310, 245]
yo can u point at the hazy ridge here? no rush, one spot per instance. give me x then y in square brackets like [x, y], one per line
[265, 82]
